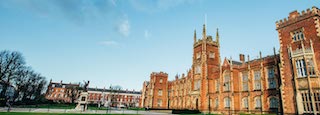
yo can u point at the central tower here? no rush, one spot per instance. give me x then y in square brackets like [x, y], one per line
[205, 66]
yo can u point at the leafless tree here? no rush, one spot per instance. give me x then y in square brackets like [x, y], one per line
[28, 84]
[10, 66]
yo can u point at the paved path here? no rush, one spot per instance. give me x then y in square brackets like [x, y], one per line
[120, 111]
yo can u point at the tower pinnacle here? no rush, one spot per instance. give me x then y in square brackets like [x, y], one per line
[195, 36]
[217, 36]
[204, 34]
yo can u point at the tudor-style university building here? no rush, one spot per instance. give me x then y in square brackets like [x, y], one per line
[286, 82]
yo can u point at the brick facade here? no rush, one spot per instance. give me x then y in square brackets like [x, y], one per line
[113, 98]
[287, 82]
[300, 48]
[155, 92]
[61, 92]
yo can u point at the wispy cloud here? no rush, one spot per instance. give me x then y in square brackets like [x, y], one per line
[124, 27]
[108, 43]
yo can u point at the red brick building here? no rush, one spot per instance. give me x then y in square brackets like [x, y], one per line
[287, 82]
[62, 92]
[154, 92]
[299, 36]
[114, 98]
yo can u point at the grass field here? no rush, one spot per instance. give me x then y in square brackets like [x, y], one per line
[25, 113]
[51, 106]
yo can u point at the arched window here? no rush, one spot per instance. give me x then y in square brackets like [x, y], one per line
[227, 82]
[245, 103]
[257, 80]
[216, 102]
[245, 81]
[273, 102]
[257, 101]
[227, 102]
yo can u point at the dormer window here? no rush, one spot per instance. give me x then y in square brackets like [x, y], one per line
[297, 35]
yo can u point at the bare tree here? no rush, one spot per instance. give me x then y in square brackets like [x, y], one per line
[28, 85]
[10, 65]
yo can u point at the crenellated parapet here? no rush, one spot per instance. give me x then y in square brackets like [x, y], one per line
[296, 16]
[159, 73]
[209, 40]
[206, 38]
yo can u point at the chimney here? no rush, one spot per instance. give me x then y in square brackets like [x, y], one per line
[177, 77]
[242, 58]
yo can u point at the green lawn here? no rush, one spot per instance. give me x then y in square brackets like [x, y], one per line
[31, 113]
[50, 106]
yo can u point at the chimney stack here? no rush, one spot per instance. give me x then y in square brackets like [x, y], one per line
[242, 58]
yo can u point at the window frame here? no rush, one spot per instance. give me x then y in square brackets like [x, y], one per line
[257, 102]
[245, 103]
[227, 102]
[257, 82]
[271, 79]
[298, 35]
[245, 81]
[227, 82]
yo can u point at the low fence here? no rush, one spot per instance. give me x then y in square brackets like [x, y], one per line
[135, 111]
[105, 111]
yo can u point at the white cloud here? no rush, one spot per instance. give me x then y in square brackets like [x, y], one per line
[108, 43]
[147, 34]
[124, 27]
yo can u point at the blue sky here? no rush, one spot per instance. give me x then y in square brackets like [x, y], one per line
[120, 42]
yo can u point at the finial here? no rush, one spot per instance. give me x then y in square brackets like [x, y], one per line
[217, 36]
[260, 54]
[195, 36]
[204, 35]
